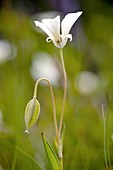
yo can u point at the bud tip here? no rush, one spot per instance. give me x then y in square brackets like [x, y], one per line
[26, 131]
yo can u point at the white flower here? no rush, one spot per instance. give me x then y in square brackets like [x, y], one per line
[52, 28]
[87, 82]
[8, 51]
[43, 65]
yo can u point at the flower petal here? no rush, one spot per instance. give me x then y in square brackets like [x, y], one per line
[69, 36]
[44, 28]
[64, 40]
[53, 25]
[68, 22]
[49, 39]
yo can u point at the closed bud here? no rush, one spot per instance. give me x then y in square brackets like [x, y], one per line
[32, 112]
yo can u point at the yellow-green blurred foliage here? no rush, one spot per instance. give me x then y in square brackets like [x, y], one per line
[91, 51]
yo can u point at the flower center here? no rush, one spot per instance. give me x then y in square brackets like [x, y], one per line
[59, 41]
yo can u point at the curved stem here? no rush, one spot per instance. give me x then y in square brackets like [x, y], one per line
[65, 91]
[53, 102]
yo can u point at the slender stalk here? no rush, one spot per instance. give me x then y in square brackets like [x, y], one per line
[107, 142]
[105, 138]
[61, 163]
[14, 161]
[65, 91]
[53, 102]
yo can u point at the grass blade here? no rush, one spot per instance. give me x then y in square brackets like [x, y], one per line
[27, 155]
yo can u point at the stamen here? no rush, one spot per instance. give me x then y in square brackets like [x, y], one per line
[48, 39]
[69, 36]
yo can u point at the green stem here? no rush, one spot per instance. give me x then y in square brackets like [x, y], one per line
[63, 102]
[53, 102]
[107, 141]
[14, 161]
[105, 138]
[61, 163]
[65, 91]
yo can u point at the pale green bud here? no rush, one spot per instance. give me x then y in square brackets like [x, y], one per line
[32, 112]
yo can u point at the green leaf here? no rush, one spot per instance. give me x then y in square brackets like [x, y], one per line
[53, 159]
[31, 113]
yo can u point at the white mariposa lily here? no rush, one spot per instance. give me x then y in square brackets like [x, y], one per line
[52, 28]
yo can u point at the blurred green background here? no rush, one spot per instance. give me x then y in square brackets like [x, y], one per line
[25, 56]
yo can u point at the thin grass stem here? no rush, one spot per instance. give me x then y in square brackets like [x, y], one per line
[105, 138]
[27, 155]
[14, 161]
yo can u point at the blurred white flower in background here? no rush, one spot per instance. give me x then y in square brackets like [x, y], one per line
[44, 66]
[87, 82]
[1, 167]
[7, 51]
[2, 126]
[112, 136]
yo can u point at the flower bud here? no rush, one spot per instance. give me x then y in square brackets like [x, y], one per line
[31, 113]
